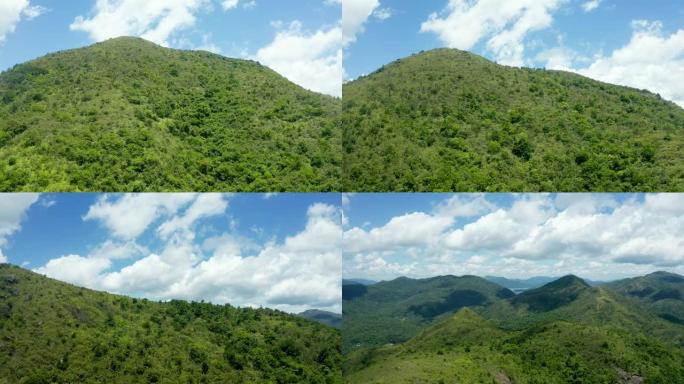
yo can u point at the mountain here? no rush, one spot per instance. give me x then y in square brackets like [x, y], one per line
[128, 115]
[467, 348]
[660, 292]
[394, 311]
[53, 332]
[359, 281]
[520, 284]
[563, 332]
[447, 120]
[330, 319]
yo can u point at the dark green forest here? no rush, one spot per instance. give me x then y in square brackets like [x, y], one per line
[53, 332]
[128, 115]
[563, 332]
[447, 120]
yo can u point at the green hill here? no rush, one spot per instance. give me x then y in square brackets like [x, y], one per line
[394, 311]
[563, 332]
[52, 332]
[447, 120]
[661, 292]
[128, 115]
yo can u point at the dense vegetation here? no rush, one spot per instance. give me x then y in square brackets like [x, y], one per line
[661, 292]
[52, 332]
[447, 120]
[127, 115]
[394, 311]
[563, 332]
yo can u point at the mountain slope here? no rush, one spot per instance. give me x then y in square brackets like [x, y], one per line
[447, 120]
[394, 311]
[128, 115]
[324, 317]
[660, 292]
[562, 332]
[466, 348]
[55, 332]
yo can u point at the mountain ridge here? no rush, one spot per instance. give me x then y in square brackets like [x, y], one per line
[458, 122]
[139, 116]
[52, 331]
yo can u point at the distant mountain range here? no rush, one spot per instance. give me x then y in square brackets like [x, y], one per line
[53, 332]
[627, 331]
[448, 120]
[324, 317]
[358, 281]
[519, 285]
[128, 115]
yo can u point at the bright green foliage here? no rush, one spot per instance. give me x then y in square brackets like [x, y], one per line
[52, 332]
[661, 292]
[563, 332]
[394, 311]
[466, 348]
[127, 115]
[448, 120]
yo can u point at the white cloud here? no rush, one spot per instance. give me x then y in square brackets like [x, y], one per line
[113, 250]
[505, 25]
[591, 5]
[230, 4]
[154, 20]
[382, 13]
[300, 272]
[464, 205]
[33, 11]
[594, 235]
[409, 230]
[206, 205]
[355, 13]
[312, 60]
[13, 207]
[75, 269]
[651, 60]
[11, 13]
[129, 215]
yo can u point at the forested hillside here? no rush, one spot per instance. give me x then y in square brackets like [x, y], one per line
[128, 115]
[52, 332]
[447, 120]
[394, 311]
[563, 332]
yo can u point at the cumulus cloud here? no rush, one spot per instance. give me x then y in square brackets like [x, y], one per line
[302, 271]
[591, 5]
[504, 25]
[206, 205]
[229, 4]
[154, 20]
[409, 230]
[129, 215]
[355, 13]
[12, 12]
[597, 236]
[75, 269]
[312, 60]
[650, 60]
[13, 207]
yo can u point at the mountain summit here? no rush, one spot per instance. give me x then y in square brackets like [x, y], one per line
[448, 120]
[128, 115]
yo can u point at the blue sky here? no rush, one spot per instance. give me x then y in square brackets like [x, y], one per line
[597, 236]
[638, 43]
[244, 28]
[278, 250]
